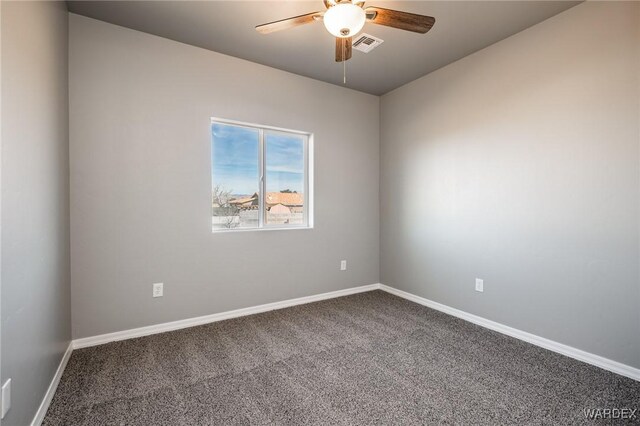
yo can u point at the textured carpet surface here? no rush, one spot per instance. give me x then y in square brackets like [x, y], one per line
[371, 358]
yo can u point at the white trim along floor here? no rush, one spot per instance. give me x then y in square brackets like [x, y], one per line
[599, 361]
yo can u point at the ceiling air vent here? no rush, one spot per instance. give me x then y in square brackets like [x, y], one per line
[366, 43]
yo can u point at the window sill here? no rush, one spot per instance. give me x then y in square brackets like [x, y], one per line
[288, 228]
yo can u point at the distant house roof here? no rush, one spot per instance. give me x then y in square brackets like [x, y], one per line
[285, 198]
[245, 200]
[289, 199]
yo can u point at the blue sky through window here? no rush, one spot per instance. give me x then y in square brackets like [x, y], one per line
[285, 162]
[235, 160]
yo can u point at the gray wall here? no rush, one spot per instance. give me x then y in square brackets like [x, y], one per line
[36, 324]
[140, 110]
[520, 165]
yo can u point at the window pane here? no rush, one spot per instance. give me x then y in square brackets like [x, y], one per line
[235, 176]
[285, 182]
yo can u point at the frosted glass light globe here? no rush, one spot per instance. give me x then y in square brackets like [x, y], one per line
[344, 19]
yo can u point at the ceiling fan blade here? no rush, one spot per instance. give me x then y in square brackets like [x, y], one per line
[402, 20]
[343, 49]
[284, 24]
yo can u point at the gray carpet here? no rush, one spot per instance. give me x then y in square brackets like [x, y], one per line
[370, 358]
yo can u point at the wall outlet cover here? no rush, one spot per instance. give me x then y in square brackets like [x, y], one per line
[479, 285]
[343, 265]
[158, 289]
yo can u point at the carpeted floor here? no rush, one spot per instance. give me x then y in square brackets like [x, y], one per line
[370, 358]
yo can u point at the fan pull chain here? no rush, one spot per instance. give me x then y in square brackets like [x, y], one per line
[344, 64]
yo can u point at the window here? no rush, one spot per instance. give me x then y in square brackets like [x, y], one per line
[260, 177]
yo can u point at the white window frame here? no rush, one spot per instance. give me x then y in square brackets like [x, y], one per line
[262, 185]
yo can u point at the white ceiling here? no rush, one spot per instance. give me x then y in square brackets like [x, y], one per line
[462, 27]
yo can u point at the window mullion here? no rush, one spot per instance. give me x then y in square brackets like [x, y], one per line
[305, 207]
[261, 195]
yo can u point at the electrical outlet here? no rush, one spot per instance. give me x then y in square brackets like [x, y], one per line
[479, 285]
[343, 265]
[6, 397]
[158, 289]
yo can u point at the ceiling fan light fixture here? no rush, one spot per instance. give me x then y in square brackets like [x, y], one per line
[344, 19]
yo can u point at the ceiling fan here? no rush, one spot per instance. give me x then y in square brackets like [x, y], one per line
[345, 18]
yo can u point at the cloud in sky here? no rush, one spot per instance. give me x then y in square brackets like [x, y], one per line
[285, 162]
[235, 159]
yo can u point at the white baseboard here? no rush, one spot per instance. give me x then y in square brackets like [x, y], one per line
[191, 322]
[580, 355]
[48, 396]
[598, 361]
